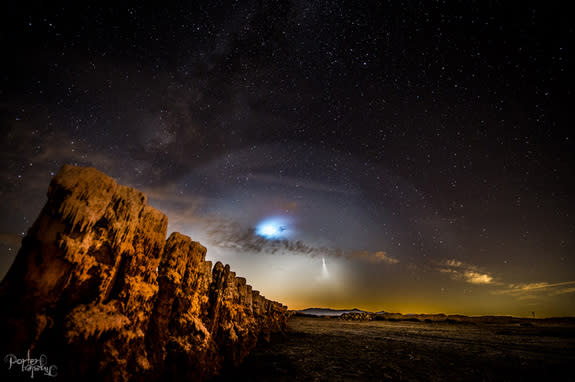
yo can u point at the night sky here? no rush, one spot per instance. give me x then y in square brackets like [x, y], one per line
[403, 156]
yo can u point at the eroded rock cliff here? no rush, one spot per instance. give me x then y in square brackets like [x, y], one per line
[98, 289]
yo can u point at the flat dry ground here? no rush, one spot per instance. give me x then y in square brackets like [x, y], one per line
[332, 349]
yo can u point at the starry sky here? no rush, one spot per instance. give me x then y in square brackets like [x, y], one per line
[406, 156]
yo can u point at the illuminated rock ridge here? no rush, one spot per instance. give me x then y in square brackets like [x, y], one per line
[98, 289]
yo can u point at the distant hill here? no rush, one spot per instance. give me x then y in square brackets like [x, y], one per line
[328, 311]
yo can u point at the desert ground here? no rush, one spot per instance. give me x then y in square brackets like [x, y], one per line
[331, 349]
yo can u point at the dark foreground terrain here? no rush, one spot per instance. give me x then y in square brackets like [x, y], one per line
[333, 349]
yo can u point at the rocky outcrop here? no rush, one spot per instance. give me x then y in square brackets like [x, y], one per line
[98, 289]
[357, 316]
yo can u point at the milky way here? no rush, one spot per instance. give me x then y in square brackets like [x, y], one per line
[421, 153]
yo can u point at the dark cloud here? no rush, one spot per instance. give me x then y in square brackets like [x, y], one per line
[231, 235]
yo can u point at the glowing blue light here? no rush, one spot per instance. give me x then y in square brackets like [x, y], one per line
[269, 230]
[273, 228]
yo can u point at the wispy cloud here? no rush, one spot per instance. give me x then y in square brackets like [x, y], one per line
[473, 274]
[562, 291]
[382, 256]
[373, 257]
[469, 273]
[477, 278]
[526, 291]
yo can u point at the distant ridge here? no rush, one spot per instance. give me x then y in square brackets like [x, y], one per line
[330, 312]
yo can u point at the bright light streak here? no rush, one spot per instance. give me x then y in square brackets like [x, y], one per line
[324, 272]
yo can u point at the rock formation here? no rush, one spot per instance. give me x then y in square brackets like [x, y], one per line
[357, 316]
[98, 289]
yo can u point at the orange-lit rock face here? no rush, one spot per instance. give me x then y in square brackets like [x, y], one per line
[97, 288]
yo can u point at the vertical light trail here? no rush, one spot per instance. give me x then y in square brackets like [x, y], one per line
[324, 272]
